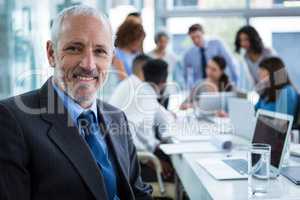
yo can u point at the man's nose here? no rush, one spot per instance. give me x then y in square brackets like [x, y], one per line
[88, 60]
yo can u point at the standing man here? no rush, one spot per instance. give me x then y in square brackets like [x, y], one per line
[60, 142]
[196, 58]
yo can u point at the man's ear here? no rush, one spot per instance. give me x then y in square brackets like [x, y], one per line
[50, 53]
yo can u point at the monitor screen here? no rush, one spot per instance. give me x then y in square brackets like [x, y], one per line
[273, 131]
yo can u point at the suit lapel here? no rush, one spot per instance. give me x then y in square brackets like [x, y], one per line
[116, 146]
[69, 141]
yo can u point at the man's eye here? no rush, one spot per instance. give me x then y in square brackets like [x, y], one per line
[73, 49]
[100, 52]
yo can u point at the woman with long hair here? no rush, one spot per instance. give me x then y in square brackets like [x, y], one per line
[216, 81]
[275, 89]
[250, 45]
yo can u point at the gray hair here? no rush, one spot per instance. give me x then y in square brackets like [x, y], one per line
[75, 11]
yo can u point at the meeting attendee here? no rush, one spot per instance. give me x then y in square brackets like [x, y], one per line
[216, 81]
[135, 16]
[275, 89]
[60, 142]
[129, 38]
[161, 51]
[195, 59]
[250, 45]
[137, 97]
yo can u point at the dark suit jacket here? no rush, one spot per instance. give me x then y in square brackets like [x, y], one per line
[43, 156]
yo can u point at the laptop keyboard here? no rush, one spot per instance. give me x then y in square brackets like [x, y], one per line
[239, 165]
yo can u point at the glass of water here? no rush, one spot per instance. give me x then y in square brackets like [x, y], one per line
[258, 169]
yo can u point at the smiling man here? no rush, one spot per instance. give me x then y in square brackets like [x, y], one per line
[60, 142]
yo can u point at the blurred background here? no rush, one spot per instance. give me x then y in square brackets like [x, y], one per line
[25, 28]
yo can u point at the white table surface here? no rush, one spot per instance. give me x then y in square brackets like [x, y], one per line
[200, 185]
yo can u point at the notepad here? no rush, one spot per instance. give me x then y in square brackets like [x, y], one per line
[194, 147]
[192, 138]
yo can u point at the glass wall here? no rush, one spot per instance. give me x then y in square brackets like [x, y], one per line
[276, 20]
[206, 4]
[25, 29]
[225, 30]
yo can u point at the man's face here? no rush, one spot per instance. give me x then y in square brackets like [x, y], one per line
[81, 57]
[197, 38]
[163, 42]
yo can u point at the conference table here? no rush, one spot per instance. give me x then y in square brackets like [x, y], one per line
[200, 185]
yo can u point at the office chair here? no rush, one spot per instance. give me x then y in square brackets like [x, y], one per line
[160, 189]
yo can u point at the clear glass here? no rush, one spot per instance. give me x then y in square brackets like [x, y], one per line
[258, 170]
[24, 31]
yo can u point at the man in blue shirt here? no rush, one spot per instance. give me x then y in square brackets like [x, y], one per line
[196, 58]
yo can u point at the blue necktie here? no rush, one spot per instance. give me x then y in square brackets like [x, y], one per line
[203, 62]
[88, 124]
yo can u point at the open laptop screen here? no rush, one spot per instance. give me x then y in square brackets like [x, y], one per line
[272, 131]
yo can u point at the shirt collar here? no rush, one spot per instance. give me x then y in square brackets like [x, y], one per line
[204, 46]
[73, 108]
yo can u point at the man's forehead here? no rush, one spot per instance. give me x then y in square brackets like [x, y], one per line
[85, 28]
[78, 21]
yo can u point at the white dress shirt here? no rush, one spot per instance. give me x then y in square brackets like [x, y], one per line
[138, 100]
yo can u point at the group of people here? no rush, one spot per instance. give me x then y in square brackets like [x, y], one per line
[264, 69]
[209, 66]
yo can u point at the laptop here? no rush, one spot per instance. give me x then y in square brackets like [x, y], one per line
[243, 128]
[208, 103]
[271, 128]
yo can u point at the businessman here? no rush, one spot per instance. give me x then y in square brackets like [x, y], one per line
[196, 58]
[60, 142]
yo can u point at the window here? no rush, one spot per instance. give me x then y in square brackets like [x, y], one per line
[206, 4]
[274, 3]
[283, 35]
[215, 27]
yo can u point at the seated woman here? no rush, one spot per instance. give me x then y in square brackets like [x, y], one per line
[275, 89]
[216, 81]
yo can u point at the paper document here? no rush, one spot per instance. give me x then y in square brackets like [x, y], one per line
[223, 142]
[194, 147]
[192, 138]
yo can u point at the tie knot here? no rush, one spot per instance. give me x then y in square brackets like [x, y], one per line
[87, 122]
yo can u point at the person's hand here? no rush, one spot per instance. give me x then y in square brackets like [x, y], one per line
[185, 106]
[118, 64]
[167, 169]
[222, 113]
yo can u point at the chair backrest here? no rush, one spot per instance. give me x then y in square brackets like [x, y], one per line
[296, 124]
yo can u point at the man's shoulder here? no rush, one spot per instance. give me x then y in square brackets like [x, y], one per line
[124, 91]
[190, 51]
[30, 98]
[214, 42]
